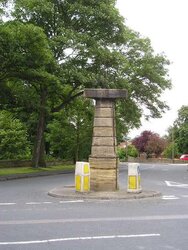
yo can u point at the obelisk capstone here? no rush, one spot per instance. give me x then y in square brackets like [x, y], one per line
[103, 159]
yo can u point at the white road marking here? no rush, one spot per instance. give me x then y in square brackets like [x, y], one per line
[170, 197]
[7, 204]
[96, 220]
[184, 196]
[48, 202]
[80, 238]
[40, 203]
[33, 203]
[72, 201]
[178, 164]
[176, 184]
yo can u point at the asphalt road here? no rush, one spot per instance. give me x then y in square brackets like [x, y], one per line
[30, 219]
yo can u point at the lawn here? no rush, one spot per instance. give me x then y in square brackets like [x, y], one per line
[28, 170]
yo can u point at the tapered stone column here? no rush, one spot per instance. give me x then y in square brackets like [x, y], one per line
[103, 160]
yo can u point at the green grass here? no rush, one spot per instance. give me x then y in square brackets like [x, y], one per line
[28, 170]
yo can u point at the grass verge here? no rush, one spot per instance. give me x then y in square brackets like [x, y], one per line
[29, 170]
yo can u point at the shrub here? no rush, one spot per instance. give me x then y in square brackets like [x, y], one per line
[13, 138]
[131, 151]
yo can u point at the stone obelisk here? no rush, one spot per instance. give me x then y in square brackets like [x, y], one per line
[103, 160]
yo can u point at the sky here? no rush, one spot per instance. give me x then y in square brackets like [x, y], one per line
[164, 22]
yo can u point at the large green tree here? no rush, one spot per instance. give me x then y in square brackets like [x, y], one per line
[180, 130]
[26, 67]
[93, 48]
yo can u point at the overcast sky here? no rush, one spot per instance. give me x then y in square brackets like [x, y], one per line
[165, 23]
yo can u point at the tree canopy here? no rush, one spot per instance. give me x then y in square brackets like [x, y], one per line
[181, 130]
[150, 143]
[58, 48]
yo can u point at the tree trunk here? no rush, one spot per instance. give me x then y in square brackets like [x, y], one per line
[38, 159]
[77, 143]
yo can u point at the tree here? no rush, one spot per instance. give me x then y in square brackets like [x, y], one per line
[155, 145]
[182, 116]
[26, 62]
[181, 130]
[93, 48]
[69, 134]
[140, 142]
[76, 39]
[13, 138]
[171, 151]
[149, 143]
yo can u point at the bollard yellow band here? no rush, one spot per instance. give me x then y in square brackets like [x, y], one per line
[86, 183]
[86, 169]
[78, 183]
[132, 182]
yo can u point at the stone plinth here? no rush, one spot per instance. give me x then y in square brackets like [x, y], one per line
[103, 159]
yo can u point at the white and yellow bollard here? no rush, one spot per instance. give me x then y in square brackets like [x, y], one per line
[82, 176]
[134, 178]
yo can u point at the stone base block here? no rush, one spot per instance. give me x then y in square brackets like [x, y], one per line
[103, 180]
[103, 163]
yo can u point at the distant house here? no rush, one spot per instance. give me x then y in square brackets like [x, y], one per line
[124, 144]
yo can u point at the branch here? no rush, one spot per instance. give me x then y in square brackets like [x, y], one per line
[67, 101]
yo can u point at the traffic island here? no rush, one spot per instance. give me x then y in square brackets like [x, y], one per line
[68, 192]
[100, 179]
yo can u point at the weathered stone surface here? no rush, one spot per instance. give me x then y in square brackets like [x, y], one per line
[103, 132]
[104, 141]
[104, 180]
[105, 93]
[103, 163]
[104, 112]
[103, 122]
[104, 103]
[103, 160]
[103, 151]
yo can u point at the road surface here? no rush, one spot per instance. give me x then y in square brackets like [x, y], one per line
[32, 220]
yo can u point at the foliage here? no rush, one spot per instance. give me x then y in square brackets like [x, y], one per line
[155, 145]
[182, 138]
[70, 133]
[121, 153]
[95, 49]
[131, 151]
[171, 151]
[24, 53]
[178, 133]
[181, 130]
[140, 142]
[13, 138]
[182, 116]
[86, 44]
[150, 143]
